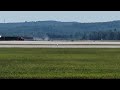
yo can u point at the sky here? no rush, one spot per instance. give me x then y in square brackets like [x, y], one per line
[64, 16]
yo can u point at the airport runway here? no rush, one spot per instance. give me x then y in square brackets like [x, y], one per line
[59, 44]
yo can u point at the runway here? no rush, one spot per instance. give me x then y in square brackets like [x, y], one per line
[59, 44]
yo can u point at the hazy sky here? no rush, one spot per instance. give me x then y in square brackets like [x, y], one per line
[65, 16]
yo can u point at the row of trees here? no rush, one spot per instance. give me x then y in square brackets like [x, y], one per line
[93, 35]
[81, 35]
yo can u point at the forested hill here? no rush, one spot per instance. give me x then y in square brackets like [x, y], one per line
[55, 30]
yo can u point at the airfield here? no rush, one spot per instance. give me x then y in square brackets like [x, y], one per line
[61, 44]
[60, 60]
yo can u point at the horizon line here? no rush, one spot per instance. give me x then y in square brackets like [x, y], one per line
[57, 21]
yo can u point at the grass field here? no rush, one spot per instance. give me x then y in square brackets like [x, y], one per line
[59, 63]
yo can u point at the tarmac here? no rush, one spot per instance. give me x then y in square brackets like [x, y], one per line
[59, 44]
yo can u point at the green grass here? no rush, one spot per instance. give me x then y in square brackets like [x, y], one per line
[59, 63]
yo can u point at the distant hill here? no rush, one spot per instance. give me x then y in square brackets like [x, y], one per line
[63, 30]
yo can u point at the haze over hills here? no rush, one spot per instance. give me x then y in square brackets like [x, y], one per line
[56, 30]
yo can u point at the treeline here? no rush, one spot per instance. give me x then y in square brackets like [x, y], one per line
[81, 35]
[93, 35]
